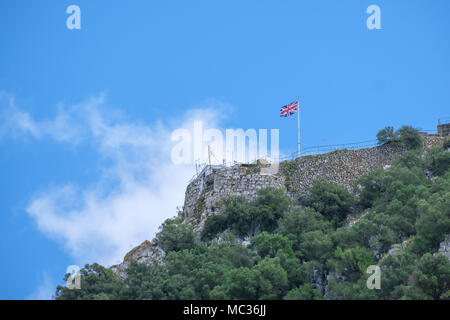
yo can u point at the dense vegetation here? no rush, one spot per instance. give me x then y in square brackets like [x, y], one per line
[406, 136]
[274, 248]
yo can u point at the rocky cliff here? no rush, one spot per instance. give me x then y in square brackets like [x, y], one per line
[204, 193]
[343, 167]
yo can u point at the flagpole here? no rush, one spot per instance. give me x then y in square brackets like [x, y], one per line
[298, 118]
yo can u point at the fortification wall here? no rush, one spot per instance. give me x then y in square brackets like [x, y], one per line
[342, 167]
[204, 193]
[444, 129]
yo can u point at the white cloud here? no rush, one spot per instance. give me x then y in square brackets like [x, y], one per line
[45, 290]
[18, 123]
[131, 197]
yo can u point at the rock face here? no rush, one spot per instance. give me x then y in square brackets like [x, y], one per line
[204, 193]
[344, 167]
[397, 248]
[444, 129]
[444, 247]
[143, 253]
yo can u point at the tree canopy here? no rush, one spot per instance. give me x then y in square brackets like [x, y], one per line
[275, 248]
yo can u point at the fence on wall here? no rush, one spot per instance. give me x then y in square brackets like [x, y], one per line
[204, 168]
[307, 151]
[444, 120]
[348, 146]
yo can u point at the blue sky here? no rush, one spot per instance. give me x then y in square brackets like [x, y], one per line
[86, 115]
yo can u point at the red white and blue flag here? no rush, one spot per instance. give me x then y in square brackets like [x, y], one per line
[289, 109]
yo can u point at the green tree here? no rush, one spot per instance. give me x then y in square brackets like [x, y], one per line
[296, 272]
[387, 135]
[271, 277]
[446, 144]
[433, 223]
[331, 200]
[346, 290]
[238, 213]
[410, 159]
[214, 225]
[270, 206]
[266, 244]
[353, 262]
[247, 219]
[300, 220]
[241, 284]
[396, 271]
[410, 137]
[175, 235]
[315, 245]
[304, 292]
[293, 249]
[97, 283]
[407, 136]
[438, 160]
[432, 276]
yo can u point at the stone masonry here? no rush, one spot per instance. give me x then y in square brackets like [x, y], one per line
[203, 194]
[343, 167]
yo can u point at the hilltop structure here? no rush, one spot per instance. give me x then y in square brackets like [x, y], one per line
[343, 167]
[205, 191]
[443, 127]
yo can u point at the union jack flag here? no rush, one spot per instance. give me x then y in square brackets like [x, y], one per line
[289, 109]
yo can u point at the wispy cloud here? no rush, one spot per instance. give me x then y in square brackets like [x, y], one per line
[45, 290]
[18, 123]
[133, 194]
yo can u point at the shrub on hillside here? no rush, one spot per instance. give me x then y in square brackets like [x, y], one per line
[446, 144]
[387, 135]
[246, 218]
[407, 136]
[410, 137]
[175, 235]
[438, 160]
[331, 200]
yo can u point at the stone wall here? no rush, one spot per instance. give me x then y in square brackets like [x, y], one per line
[343, 167]
[444, 129]
[143, 253]
[203, 194]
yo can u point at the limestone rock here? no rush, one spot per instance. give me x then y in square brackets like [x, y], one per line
[205, 191]
[444, 247]
[143, 253]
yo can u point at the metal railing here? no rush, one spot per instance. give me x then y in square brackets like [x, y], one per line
[307, 151]
[206, 169]
[444, 120]
[314, 150]
[334, 147]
